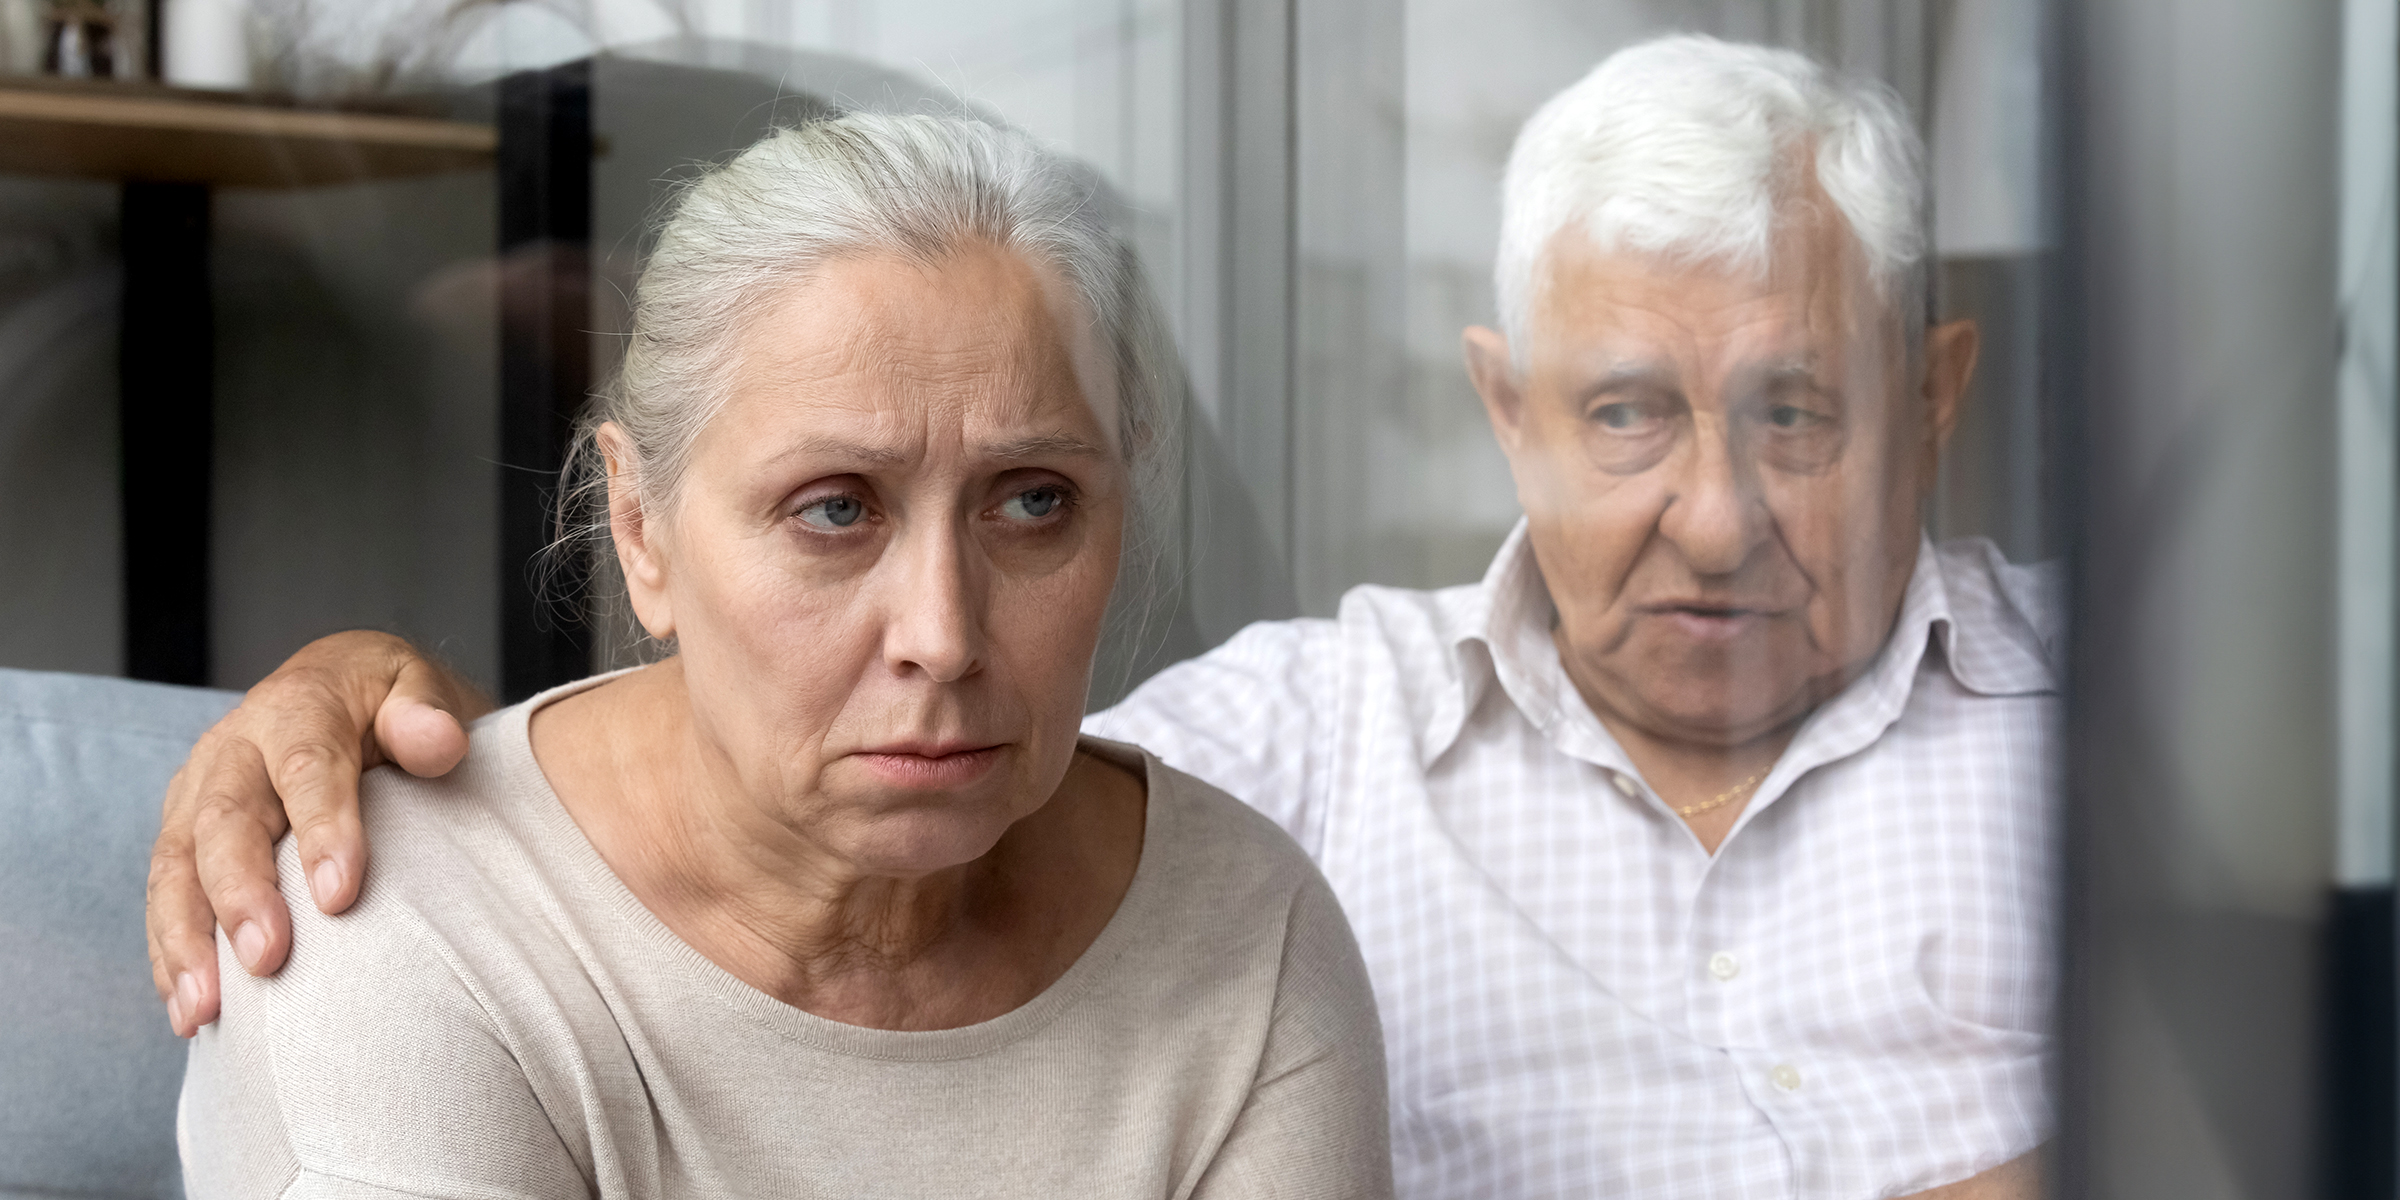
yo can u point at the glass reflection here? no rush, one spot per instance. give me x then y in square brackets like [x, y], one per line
[1612, 466]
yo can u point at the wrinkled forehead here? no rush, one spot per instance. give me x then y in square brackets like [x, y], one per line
[981, 337]
[1812, 293]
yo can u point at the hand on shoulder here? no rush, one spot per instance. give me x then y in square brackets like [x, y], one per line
[288, 758]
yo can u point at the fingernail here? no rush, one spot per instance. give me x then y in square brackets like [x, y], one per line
[175, 1014]
[325, 882]
[250, 944]
[185, 1002]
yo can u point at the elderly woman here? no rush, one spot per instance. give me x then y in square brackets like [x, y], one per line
[833, 901]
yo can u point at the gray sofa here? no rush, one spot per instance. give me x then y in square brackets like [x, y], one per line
[88, 1069]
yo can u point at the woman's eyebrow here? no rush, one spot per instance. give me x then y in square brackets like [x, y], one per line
[1046, 445]
[846, 450]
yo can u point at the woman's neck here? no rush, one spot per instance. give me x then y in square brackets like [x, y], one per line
[754, 895]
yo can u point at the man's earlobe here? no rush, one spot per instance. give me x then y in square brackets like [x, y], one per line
[1494, 374]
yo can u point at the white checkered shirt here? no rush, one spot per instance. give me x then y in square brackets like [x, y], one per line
[1850, 999]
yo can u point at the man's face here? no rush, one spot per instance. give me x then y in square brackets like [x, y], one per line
[1721, 472]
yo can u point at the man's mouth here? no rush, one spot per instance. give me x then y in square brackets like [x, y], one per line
[1710, 622]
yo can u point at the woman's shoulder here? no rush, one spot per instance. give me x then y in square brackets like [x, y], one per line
[1244, 926]
[1200, 837]
[470, 867]
[446, 978]
[355, 1060]
[481, 819]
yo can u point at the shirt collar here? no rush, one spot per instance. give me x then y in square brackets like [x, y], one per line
[1988, 616]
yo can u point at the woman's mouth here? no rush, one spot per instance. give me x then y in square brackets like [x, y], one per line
[931, 768]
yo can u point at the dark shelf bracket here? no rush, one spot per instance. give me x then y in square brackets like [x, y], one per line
[166, 364]
[545, 164]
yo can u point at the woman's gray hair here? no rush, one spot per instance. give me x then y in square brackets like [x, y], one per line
[922, 187]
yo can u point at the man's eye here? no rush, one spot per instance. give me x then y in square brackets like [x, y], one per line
[1033, 504]
[1786, 416]
[834, 512]
[1618, 416]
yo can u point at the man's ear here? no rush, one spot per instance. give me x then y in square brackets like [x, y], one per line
[1495, 378]
[638, 553]
[1950, 350]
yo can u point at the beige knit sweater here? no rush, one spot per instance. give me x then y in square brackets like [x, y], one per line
[499, 1017]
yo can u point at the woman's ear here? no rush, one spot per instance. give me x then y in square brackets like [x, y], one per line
[640, 553]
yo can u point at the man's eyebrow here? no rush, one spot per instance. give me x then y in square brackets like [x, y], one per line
[1626, 375]
[1782, 370]
[1801, 372]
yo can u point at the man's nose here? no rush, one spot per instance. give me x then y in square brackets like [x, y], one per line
[935, 594]
[1714, 514]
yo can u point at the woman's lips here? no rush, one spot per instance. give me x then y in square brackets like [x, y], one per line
[930, 768]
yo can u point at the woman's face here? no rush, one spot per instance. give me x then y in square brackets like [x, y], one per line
[887, 564]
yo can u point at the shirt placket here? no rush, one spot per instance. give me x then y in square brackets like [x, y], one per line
[1725, 961]
[1733, 976]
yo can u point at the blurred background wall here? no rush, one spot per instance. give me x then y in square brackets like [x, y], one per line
[355, 388]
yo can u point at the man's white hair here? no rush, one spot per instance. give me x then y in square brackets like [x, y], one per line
[1687, 146]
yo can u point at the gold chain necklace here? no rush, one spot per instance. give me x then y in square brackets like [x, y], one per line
[1728, 796]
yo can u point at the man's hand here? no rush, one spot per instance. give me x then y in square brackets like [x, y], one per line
[288, 757]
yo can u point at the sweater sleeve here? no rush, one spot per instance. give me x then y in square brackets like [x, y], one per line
[367, 1067]
[1315, 1124]
[1254, 717]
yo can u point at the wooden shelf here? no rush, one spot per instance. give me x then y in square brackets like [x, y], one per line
[167, 135]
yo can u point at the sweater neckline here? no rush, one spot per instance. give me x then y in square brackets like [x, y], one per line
[591, 875]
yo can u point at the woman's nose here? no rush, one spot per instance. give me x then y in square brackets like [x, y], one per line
[935, 607]
[1714, 515]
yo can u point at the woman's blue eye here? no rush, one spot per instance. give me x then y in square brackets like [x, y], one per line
[836, 512]
[1035, 504]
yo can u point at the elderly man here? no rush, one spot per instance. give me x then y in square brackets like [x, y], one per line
[1700, 849]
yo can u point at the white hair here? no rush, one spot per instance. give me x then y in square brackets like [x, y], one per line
[1686, 146]
[919, 186]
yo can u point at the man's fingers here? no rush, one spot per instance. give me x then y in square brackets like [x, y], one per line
[318, 780]
[183, 941]
[234, 837]
[314, 752]
[297, 741]
[177, 923]
[356, 700]
[418, 725]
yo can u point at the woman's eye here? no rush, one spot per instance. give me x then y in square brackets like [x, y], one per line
[1034, 504]
[834, 512]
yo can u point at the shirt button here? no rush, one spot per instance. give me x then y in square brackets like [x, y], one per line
[1723, 965]
[1624, 783]
[1786, 1076]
